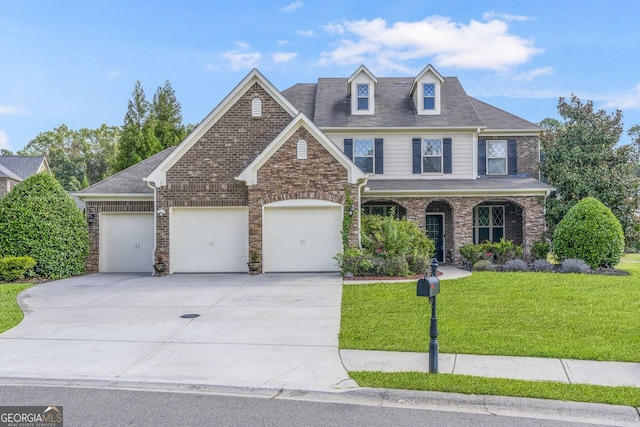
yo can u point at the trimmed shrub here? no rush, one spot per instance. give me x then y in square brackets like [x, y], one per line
[484, 265]
[386, 236]
[590, 232]
[540, 250]
[353, 261]
[499, 252]
[542, 265]
[396, 266]
[516, 265]
[14, 268]
[418, 264]
[573, 265]
[39, 219]
[473, 253]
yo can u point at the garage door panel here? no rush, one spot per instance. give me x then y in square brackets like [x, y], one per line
[301, 238]
[209, 240]
[126, 242]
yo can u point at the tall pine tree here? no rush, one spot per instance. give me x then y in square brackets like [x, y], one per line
[166, 110]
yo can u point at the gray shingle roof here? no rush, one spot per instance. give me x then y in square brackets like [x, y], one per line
[495, 118]
[484, 185]
[20, 167]
[129, 181]
[327, 104]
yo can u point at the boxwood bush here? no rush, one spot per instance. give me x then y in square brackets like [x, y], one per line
[39, 219]
[590, 232]
[15, 267]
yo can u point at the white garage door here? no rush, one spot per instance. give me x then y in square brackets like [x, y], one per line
[126, 242]
[209, 240]
[301, 238]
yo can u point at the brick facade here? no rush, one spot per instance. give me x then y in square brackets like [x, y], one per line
[285, 177]
[528, 150]
[205, 175]
[95, 208]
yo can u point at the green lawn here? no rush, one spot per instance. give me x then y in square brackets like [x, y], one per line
[517, 314]
[10, 312]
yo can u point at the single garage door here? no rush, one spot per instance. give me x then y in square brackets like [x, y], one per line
[126, 242]
[301, 238]
[209, 240]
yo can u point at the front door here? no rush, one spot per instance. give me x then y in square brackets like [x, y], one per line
[435, 231]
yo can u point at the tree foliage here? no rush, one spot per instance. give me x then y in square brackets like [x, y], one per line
[582, 158]
[77, 158]
[40, 220]
[589, 232]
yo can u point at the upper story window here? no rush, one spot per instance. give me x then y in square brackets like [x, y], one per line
[428, 96]
[363, 154]
[363, 96]
[432, 155]
[497, 157]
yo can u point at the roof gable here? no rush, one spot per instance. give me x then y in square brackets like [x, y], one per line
[22, 167]
[250, 174]
[159, 175]
[427, 70]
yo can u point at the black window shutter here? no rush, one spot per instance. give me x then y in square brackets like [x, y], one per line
[417, 155]
[482, 157]
[512, 157]
[446, 159]
[379, 156]
[348, 148]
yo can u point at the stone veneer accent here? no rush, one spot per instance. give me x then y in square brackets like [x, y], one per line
[459, 221]
[205, 175]
[284, 177]
[93, 260]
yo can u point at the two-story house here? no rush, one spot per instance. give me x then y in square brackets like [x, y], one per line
[15, 169]
[269, 172]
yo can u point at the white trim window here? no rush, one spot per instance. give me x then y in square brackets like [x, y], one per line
[428, 96]
[432, 155]
[363, 154]
[363, 96]
[496, 157]
[488, 223]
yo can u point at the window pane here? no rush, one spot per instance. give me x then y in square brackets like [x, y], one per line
[431, 164]
[483, 215]
[429, 89]
[483, 234]
[432, 147]
[363, 147]
[363, 103]
[363, 90]
[364, 163]
[497, 234]
[498, 215]
[496, 148]
[429, 103]
[496, 167]
[377, 210]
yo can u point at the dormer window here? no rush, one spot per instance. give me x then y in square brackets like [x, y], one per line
[363, 97]
[429, 96]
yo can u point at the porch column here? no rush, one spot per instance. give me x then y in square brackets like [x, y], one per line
[462, 225]
[533, 223]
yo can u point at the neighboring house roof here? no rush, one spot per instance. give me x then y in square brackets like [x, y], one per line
[250, 173]
[129, 181]
[483, 186]
[20, 168]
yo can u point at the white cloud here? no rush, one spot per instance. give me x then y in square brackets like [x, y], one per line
[284, 56]
[4, 140]
[530, 75]
[282, 42]
[306, 33]
[243, 45]
[241, 60]
[334, 28]
[488, 16]
[475, 45]
[11, 110]
[625, 101]
[293, 6]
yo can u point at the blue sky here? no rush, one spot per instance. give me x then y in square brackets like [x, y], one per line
[75, 63]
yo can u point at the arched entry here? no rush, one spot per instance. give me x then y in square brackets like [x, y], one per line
[498, 219]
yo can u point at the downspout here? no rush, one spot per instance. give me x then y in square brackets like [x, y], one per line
[364, 181]
[155, 225]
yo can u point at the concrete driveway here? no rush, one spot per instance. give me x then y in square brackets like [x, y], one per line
[267, 331]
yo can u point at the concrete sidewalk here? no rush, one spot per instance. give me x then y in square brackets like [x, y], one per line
[522, 368]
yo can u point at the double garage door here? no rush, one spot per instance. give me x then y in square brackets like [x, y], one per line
[215, 240]
[295, 239]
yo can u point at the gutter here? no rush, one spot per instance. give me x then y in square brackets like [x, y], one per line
[155, 225]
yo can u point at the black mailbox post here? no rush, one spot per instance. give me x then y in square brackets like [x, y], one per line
[430, 287]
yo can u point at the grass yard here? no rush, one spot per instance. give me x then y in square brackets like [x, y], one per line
[10, 312]
[572, 316]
